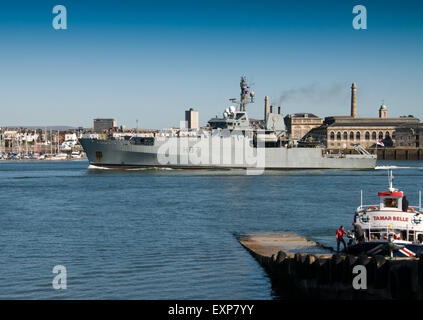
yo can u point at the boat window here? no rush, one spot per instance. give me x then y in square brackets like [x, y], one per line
[375, 234]
[239, 116]
[391, 203]
[395, 234]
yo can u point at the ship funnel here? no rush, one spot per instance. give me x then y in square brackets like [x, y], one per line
[279, 110]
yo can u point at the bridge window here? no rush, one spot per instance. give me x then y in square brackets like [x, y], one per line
[391, 203]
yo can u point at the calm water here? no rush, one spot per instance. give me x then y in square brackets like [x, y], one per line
[165, 234]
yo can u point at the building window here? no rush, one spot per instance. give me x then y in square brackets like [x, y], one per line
[351, 135]
[357, 136]
[373, 135]
[387, 135]
[338, 136]
[380, 135]
[345, 136]
[332, 136]
[367, 135]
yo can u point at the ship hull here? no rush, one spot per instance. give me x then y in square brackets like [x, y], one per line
[373, 248]
[124, 154]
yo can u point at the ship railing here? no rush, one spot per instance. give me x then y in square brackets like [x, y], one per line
[334, 155]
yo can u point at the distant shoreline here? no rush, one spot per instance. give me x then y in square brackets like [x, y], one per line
[39, 160]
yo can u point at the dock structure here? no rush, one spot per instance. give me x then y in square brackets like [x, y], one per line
[301, 268]
[269, 244]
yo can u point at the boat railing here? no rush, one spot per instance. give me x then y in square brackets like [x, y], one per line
[415, 209]
[376, 207]
[366, 207]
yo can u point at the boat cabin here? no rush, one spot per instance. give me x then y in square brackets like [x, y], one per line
[390, 200]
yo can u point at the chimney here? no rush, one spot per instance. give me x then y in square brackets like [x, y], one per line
[266, 107]
[279, 110]
[354, 100]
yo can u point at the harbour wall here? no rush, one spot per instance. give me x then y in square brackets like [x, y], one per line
[295, 274]
[393, 153]
[330, 277]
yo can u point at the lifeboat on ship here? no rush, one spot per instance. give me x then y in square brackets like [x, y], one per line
[390, 228]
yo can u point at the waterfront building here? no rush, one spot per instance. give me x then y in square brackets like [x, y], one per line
[343, 132]
[409, 135]
[101, 125]
[191, 118]
[299, 124]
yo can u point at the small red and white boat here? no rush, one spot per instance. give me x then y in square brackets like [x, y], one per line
[391, 227]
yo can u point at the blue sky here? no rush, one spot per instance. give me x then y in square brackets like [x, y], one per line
[152, 60]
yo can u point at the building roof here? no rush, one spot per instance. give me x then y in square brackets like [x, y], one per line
[302, 115]
[351, 121]
[364, 124]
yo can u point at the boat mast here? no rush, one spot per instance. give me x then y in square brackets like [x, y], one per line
[390, 177]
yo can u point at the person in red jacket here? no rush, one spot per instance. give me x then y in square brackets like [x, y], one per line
[339, 237]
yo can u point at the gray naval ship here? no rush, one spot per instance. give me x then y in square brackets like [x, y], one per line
[230, 141]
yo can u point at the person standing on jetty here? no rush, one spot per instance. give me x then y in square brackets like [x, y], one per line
[340, 237]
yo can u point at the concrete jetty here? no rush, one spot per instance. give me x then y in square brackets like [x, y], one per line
[301, 268]
[269, 244]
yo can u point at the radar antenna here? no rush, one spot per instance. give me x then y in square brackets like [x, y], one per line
[244, 96]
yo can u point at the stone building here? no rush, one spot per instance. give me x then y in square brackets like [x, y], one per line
[409, 135]
[343, 132]
[299, 124]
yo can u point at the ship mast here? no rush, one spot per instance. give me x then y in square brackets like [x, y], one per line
[244, 95]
